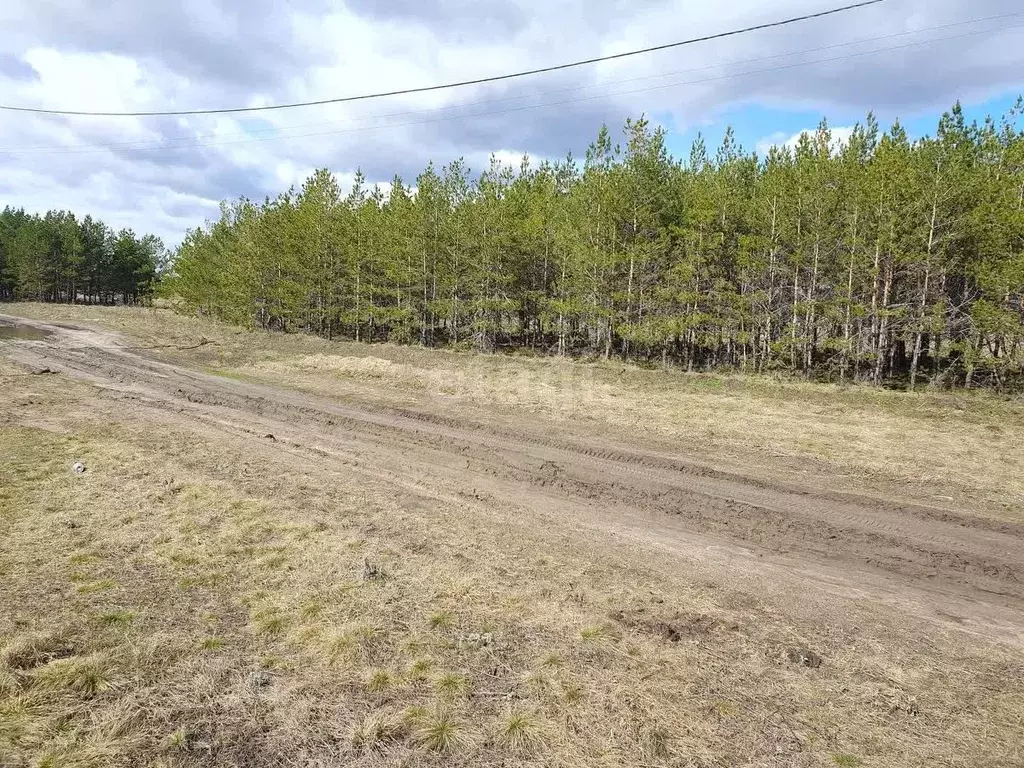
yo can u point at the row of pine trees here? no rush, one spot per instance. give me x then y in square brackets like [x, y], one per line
[58, 257]
[881, 259]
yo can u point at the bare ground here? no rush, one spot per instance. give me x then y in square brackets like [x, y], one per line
[392, 576]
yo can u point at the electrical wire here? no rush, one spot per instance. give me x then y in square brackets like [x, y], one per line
[459, 84]
[169, 142]
[548, 104]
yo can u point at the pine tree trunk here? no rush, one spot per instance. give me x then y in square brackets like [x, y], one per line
[629, 299]
[769, 308]
[423, 311]
[359, 287]
[561, 310]
[810, 335]
[924, 295]
[796, 299]
[920, 328]
[849, 303]
[882, 343]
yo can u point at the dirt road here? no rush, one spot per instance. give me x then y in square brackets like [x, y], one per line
[823, 555]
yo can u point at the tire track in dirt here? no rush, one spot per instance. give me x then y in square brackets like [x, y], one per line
[907, 540]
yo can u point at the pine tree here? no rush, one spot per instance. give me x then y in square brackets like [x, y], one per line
[881, 259]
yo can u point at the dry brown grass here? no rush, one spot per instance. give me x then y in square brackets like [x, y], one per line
[947, 447]
[238, 623]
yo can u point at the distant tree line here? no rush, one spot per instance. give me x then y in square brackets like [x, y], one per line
[57, 257]
[882, 259]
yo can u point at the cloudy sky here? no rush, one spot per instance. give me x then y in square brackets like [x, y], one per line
[909, 59]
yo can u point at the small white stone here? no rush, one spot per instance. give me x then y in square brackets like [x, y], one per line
[78, 467]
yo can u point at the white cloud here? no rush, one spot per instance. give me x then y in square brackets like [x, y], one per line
[164, 174]
[512, 158]
[88, 81]
[288, 174]
[840, 137]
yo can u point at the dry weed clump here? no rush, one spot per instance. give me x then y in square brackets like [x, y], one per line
[521, 732]
[33, 649]
[441, 731]
[453, 685]
[87, 675]
[379, 730]
[379, 681]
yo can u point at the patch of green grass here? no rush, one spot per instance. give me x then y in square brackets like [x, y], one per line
[845, 760]
[269, 622]
[441, 620]
[211, 643]
[418, 669]
[594, 634]
[340, 645]
[452, 684]
[724, 708]
[97, 586]
[210, 579]
[441, 732]
[18, 716]
[87, 675]
[520, 732]
[118, 618]
[380, 680]
[272, 625]
[572, 694]
[710, 382]
[178, 740]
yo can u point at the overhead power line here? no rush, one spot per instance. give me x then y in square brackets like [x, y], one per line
[459, 84]
[527, 107]
[200, 140]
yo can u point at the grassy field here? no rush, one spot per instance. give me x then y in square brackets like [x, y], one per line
[945, 447]
[192, 599]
